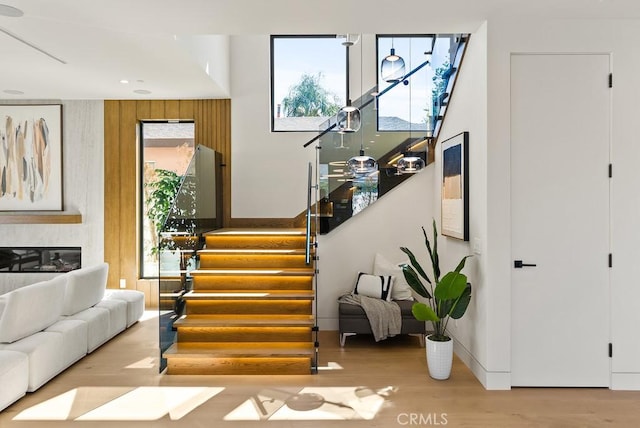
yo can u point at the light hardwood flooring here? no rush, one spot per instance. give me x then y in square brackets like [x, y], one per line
[385, 381]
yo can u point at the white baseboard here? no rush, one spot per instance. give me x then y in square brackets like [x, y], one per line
[490, 380]
[625, 381]
[328, 323]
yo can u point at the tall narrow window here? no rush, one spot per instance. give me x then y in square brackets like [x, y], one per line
[414, 104]
[308, 81]
[165, 153]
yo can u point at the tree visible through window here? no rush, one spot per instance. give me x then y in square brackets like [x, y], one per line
[308, 81]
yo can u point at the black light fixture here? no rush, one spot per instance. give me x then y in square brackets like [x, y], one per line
[392, 69]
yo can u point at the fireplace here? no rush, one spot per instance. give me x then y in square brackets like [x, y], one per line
[39, 259]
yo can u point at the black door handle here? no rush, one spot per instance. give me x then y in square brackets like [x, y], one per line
[518, 264]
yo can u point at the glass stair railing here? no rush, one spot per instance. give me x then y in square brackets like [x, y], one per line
[196, 209]
[343, 193]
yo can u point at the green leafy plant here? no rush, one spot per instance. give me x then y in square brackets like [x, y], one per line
[161, 194]
[448, 296]
[308, 98]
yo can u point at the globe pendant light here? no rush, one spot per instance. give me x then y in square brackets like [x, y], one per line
[362, 164]
[392, 67]
[410, 164]
[348, 119]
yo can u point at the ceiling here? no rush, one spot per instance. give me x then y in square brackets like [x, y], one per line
[179, 49]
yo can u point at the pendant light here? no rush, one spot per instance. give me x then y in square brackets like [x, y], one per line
[348, 119]
[361, 164]
[410, 164]
[392, 67]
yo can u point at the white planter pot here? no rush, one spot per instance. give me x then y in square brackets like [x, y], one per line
[439, 358]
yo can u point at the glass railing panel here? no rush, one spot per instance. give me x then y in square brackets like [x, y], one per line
[196, 209]
[343, 193]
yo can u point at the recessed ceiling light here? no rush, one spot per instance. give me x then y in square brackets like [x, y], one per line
[13, 92]
[6, 10]
[142, 91]
[124, 81]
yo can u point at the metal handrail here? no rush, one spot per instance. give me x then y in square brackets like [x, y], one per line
[307, 254]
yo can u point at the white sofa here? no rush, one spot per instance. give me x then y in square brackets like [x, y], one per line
[48, 326]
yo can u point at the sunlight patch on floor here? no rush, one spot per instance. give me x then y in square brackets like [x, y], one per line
[311, 404]
[120, 404]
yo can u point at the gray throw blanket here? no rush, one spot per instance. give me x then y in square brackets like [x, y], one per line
[385, 317]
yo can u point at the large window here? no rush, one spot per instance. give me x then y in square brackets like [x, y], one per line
[166, 150]
[308, 81]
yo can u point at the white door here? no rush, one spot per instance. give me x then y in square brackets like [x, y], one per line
[560, 116]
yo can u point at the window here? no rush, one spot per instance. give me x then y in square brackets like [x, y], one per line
[414, 104]
[308, 81]
[166, 150]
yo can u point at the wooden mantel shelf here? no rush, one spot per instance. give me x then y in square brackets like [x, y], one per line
[40, 217]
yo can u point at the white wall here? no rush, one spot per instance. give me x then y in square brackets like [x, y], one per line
[269, 172]
[620, 38]
[83, 184]
[468, 112]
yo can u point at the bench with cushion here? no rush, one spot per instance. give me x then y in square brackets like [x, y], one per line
[352, 319]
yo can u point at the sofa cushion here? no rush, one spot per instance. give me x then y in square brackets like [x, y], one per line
[31, 309]
[401, 289]
[74, 339]
[45, 356]
[117, 315]
[14, 376]
[85, 288]
[98, 326]
[135, 303]
[378, 286]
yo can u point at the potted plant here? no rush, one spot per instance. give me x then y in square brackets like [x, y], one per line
[447, 297]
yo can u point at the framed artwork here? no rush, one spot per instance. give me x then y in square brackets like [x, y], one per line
[455, 187]
[31, 157]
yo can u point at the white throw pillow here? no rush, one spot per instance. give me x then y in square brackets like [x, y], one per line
[378, 286]
[401, 289]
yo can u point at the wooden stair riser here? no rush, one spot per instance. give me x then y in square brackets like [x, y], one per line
[244, 334]
[263, 242]
[203, 307]
[239, 366]
[252, 261]
[253, 283]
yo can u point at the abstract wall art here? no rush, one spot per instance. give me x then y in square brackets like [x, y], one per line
[31, 157]
[455, 186]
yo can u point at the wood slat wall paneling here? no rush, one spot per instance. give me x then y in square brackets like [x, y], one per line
[121, 169]
[128, 191]
[112, 189]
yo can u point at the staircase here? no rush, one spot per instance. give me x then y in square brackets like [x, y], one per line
[251, 307]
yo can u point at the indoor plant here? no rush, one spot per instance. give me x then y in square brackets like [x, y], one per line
[447, 297]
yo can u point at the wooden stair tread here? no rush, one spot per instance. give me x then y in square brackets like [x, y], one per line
[250, 349]
[250, 252]
[249, 295]
[196, 320]
[257, 232]
[255, 272]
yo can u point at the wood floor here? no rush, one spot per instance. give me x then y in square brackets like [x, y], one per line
[379, 385]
